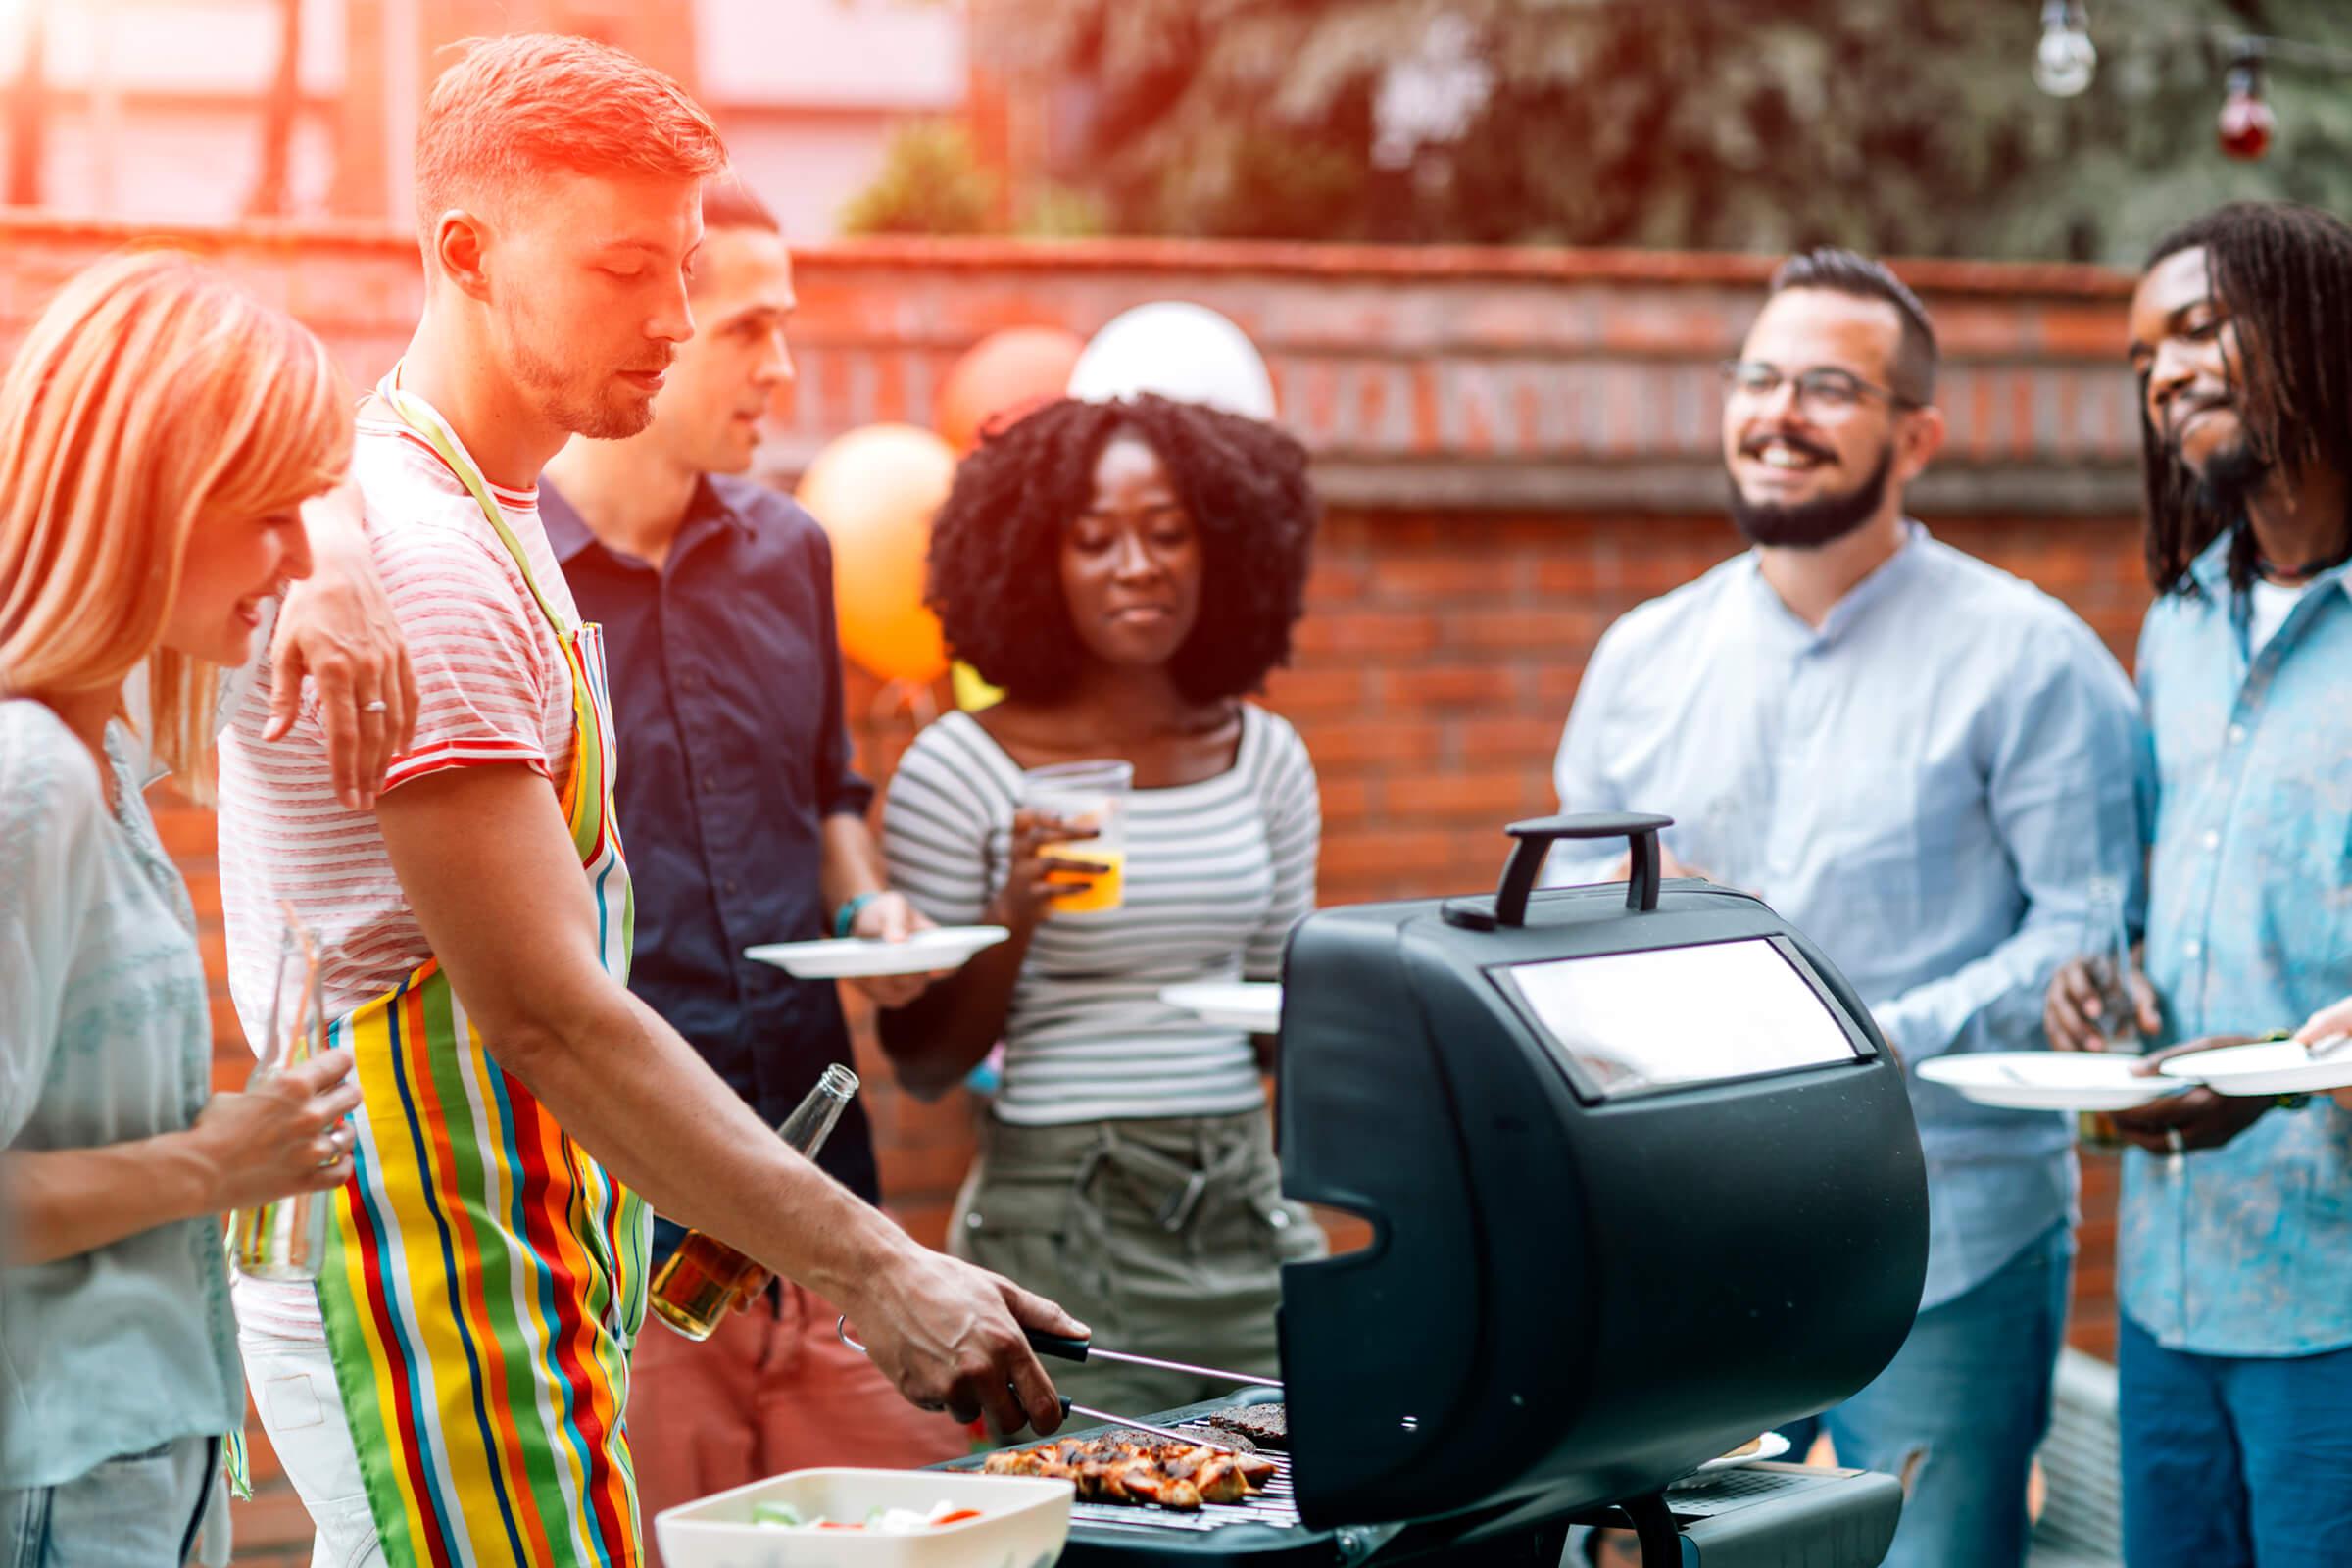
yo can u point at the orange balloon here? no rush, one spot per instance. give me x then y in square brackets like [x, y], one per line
[1002, 377]
[874, 490]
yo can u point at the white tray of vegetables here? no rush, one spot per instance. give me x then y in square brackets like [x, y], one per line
[843, 1518]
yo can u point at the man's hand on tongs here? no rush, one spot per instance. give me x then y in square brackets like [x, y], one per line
[950, 1336]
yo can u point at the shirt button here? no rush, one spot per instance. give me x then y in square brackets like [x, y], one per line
[729, 885]
[2213, 838]
[2193, 946]
[2237, 734]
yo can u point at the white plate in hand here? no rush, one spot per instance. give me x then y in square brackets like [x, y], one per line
[2048, 1080]
[942, 948]
[2268, 1068]
[1251, 1006]
[1769, 1445]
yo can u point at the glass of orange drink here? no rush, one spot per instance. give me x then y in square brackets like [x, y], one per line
[1091, 795]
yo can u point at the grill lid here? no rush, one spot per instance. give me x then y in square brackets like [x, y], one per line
[1641, 1175]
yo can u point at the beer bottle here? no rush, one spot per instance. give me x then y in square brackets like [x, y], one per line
[705, 1278]
[285, 1238]
[2107, 950]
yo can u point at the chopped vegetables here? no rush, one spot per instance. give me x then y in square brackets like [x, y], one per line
[881, 1521]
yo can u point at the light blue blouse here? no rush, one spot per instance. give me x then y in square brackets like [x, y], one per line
[105, 1038]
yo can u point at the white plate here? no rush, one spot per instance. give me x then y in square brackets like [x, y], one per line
[2265, 1067]
[1769, 1445]
[1251, 1006]
[1026, 1520]
[2047, 1080]
[948, 946]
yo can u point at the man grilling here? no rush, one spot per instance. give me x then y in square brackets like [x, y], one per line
[746, 824]
[1922, 763]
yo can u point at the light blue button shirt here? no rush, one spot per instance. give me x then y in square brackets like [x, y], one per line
[2248, 1250]
[105, 1038]
[1925, 786]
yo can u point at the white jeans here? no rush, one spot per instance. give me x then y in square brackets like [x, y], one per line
[293, 1386]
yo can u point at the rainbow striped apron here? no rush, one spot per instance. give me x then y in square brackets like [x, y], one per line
[488, 1276]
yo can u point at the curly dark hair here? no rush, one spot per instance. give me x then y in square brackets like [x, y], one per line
[2285, 274]
[996, 544]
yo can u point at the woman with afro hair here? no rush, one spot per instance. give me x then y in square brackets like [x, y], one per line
[1126, 572]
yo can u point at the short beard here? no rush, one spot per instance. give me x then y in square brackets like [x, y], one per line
[1810, 524]
[570, 412]
[2231, 477]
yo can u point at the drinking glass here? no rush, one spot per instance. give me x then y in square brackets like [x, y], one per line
[1090, 795]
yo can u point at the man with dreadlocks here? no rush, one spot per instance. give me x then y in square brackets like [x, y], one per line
[2234, 1249]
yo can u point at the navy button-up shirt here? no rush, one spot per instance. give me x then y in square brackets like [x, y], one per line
[726, 688]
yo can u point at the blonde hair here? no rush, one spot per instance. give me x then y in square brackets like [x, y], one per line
[151, 398]
[519, 107]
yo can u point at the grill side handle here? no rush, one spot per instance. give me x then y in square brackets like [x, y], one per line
[1534, 839]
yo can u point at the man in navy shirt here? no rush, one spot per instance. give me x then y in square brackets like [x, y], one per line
[745, 823]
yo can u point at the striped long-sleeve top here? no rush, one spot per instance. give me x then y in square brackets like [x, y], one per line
[1217, 874]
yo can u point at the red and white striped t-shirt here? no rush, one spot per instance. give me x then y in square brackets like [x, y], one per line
[492, 687]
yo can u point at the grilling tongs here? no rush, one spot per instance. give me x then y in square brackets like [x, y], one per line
[1058, 1347]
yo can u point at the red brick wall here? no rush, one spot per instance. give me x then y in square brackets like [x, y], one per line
[1518, 446]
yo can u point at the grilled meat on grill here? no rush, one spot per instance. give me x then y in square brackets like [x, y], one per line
[1171, 1475]
[1268, 1425]
[1198, 1431]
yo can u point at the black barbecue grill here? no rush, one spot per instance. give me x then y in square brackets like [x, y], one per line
[1643, 1182]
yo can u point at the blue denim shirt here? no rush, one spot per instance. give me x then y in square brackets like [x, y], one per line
[2248, 1250]
[1925, 786]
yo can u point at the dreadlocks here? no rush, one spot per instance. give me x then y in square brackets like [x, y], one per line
[2284, 272]
[996, 544]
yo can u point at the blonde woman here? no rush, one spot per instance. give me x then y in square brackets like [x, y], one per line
[158, 432]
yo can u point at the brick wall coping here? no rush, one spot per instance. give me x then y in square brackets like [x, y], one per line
[1473, 379]
[1368, 262]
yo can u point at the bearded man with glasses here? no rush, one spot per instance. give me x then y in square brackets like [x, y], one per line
[1922, 762]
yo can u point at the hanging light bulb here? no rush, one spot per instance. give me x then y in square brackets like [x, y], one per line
[2064, 62]
[2245, 122]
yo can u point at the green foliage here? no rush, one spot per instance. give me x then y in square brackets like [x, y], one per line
[931, 183]
[1061, 212]
[1903, 127]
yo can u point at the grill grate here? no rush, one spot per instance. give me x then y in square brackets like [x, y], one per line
[1273, 1506]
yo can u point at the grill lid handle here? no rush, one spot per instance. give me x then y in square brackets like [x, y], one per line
[1536, 837]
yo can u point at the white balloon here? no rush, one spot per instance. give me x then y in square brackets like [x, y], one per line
[1179, 350]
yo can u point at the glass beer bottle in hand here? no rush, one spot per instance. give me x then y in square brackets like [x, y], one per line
[2107, 949]
[285, 1239]
[705, 1278]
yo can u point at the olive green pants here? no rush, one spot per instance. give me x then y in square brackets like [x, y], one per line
[1166, 1236]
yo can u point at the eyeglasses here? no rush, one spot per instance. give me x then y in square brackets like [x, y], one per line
[1824, 392]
